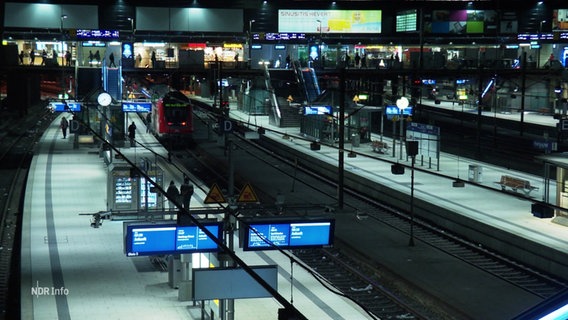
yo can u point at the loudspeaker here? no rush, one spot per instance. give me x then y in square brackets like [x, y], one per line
[411, 148]
[397, 168]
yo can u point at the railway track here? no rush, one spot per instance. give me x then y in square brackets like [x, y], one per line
[357, 279]
[18, 137]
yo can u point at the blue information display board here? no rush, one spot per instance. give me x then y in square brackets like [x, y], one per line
[160, 239]
[289, 234]
[394, 111]
[60, 106]
[317, 110]
[131, 106]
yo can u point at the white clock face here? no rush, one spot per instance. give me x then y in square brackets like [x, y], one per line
[104, 99]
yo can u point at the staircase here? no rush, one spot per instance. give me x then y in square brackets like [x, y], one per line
[290, 116]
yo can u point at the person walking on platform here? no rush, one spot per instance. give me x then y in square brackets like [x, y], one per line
[148, 121]
[132, 134]
[173, 195]
[32, 57]
[186, 190]
[64, 124]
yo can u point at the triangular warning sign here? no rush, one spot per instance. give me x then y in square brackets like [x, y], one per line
[247, 194]
[215, 195]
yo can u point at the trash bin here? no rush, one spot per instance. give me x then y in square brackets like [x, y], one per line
[475, 173]
[355, 140]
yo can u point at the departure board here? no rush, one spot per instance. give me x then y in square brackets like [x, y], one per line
[161, 239]
[98, 34]
[406, 21]
[288, 234]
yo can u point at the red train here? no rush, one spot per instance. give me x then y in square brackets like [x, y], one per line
[172, 117]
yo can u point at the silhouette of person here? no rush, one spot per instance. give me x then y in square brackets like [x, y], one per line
[132, 134]
[68, 58]
[43, 57]
[153, 59]
[91, 57]
[173, 195]
[64, 124]
[186, 191]
[111, 59]
[21, 56]
[97, 56]
[32, 57]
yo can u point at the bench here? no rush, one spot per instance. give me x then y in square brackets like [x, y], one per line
[516, 184]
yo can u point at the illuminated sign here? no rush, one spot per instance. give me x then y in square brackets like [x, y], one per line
[317, 110]
[392, 111]
[560, 20]
[65, 106]
[233, 45]
[93, 44]
[279, 36]
[406, 21]
[289, 234]
[279, 47]
[330, 21]
[535, 36]
[160, 239]
[132, 106]
[462, 21]
[256, 46]
[97, 34]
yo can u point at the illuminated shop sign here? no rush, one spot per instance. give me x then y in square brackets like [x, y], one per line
[330, 21]
[232, 45]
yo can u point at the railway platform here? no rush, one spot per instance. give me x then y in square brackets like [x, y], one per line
[70, 270]
[90, 277]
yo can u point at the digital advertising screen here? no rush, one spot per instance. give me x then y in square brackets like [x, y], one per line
[288, 234]
[132, 106]
[560, 20]
[161, 239]
[329, 21]
[462, 21]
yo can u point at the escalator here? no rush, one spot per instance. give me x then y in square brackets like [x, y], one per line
[308, 80]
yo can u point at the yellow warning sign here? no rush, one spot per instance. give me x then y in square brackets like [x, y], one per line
[247, 194]
[215, 195]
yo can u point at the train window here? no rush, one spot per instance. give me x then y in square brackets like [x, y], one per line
[176, 116]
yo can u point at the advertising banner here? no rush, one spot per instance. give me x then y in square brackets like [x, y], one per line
[329, 21]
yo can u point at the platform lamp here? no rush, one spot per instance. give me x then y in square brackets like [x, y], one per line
[320, 42]
[63, 17]
[250, 43]
[412, 151]
[401, 103]
[131, 28]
